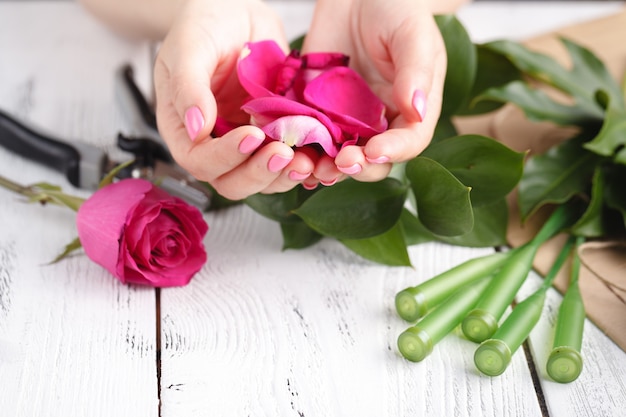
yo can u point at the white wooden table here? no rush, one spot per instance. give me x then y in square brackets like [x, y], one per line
[258, 332]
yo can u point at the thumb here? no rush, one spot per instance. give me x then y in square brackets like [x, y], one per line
[182, 77]
[419, 58]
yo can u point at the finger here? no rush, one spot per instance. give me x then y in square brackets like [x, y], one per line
[418, 53]
[182, 73]
[326, 171]
[256, 173]
[299, 169]
[405, 139]
[351, 161]
[209, 158]
[398, 144]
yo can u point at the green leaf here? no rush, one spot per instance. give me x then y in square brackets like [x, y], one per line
[69, 248]
[491, 169]
[615, 197]
[414, 231]
[590, 223]
[44, 186]
[590, 72]
[443, 202]
[587, 74]
[537, 105]
[462, 59]
[554, 177]
[494, 70]
[110, 176]
[279, 206]
[445, 129]
[611, 141]
[296, 44]
[388, 248]
[354, 210]
[490, 225]
[297, 235]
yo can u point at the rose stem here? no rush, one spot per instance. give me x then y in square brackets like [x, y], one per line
[413, 302]
[482, 322]
[42, 195]
[565, 362]
[15, 187]
[417, 342]
[494, 355]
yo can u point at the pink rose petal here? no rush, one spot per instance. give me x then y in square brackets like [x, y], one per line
[324, 60]
[267, 109]
[102, 218]
[258, 67]
[347, 99]
[301, 130]
[142, 235]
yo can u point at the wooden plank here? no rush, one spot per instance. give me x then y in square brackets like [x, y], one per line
[313, 332]
[600, 390]
[73, 342]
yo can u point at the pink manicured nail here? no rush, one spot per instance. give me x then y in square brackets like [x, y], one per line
[309, 186]
[249, 144]
[298, 176]
[380, 160]
[194, 122]
[329, 183]
[278, 162]
[419, 103]
[351, 170]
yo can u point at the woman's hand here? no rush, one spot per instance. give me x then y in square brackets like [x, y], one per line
[397, 47]
[196, 82]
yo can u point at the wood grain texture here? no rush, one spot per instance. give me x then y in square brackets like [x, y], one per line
[73, 341]
[260, 332]
[600, 390]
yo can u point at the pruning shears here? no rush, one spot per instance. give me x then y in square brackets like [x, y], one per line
[84, 165]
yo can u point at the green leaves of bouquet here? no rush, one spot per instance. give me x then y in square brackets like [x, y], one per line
[453, 192]
[591, 165]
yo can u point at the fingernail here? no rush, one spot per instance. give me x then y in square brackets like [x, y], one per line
[194, 122]
[328, 183]
[249, 144]
[419, 103]
[351, 170]
[380, 160]
[298, 176]
[278, 162]
[309, 186]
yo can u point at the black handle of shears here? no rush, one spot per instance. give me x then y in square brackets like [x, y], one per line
[138, 100]
[32, 145]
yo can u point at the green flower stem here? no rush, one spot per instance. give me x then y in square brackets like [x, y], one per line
[565, 362]
[43, 193]
[494, 355]
[414, 302]
[417, 342]
[561, 218]
[15, 187]
[482, 322]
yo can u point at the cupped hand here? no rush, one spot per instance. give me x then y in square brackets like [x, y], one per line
[397, 47]
[196, 81]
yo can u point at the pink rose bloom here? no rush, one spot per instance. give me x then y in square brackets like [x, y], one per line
[142, 235]
[310, 99]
